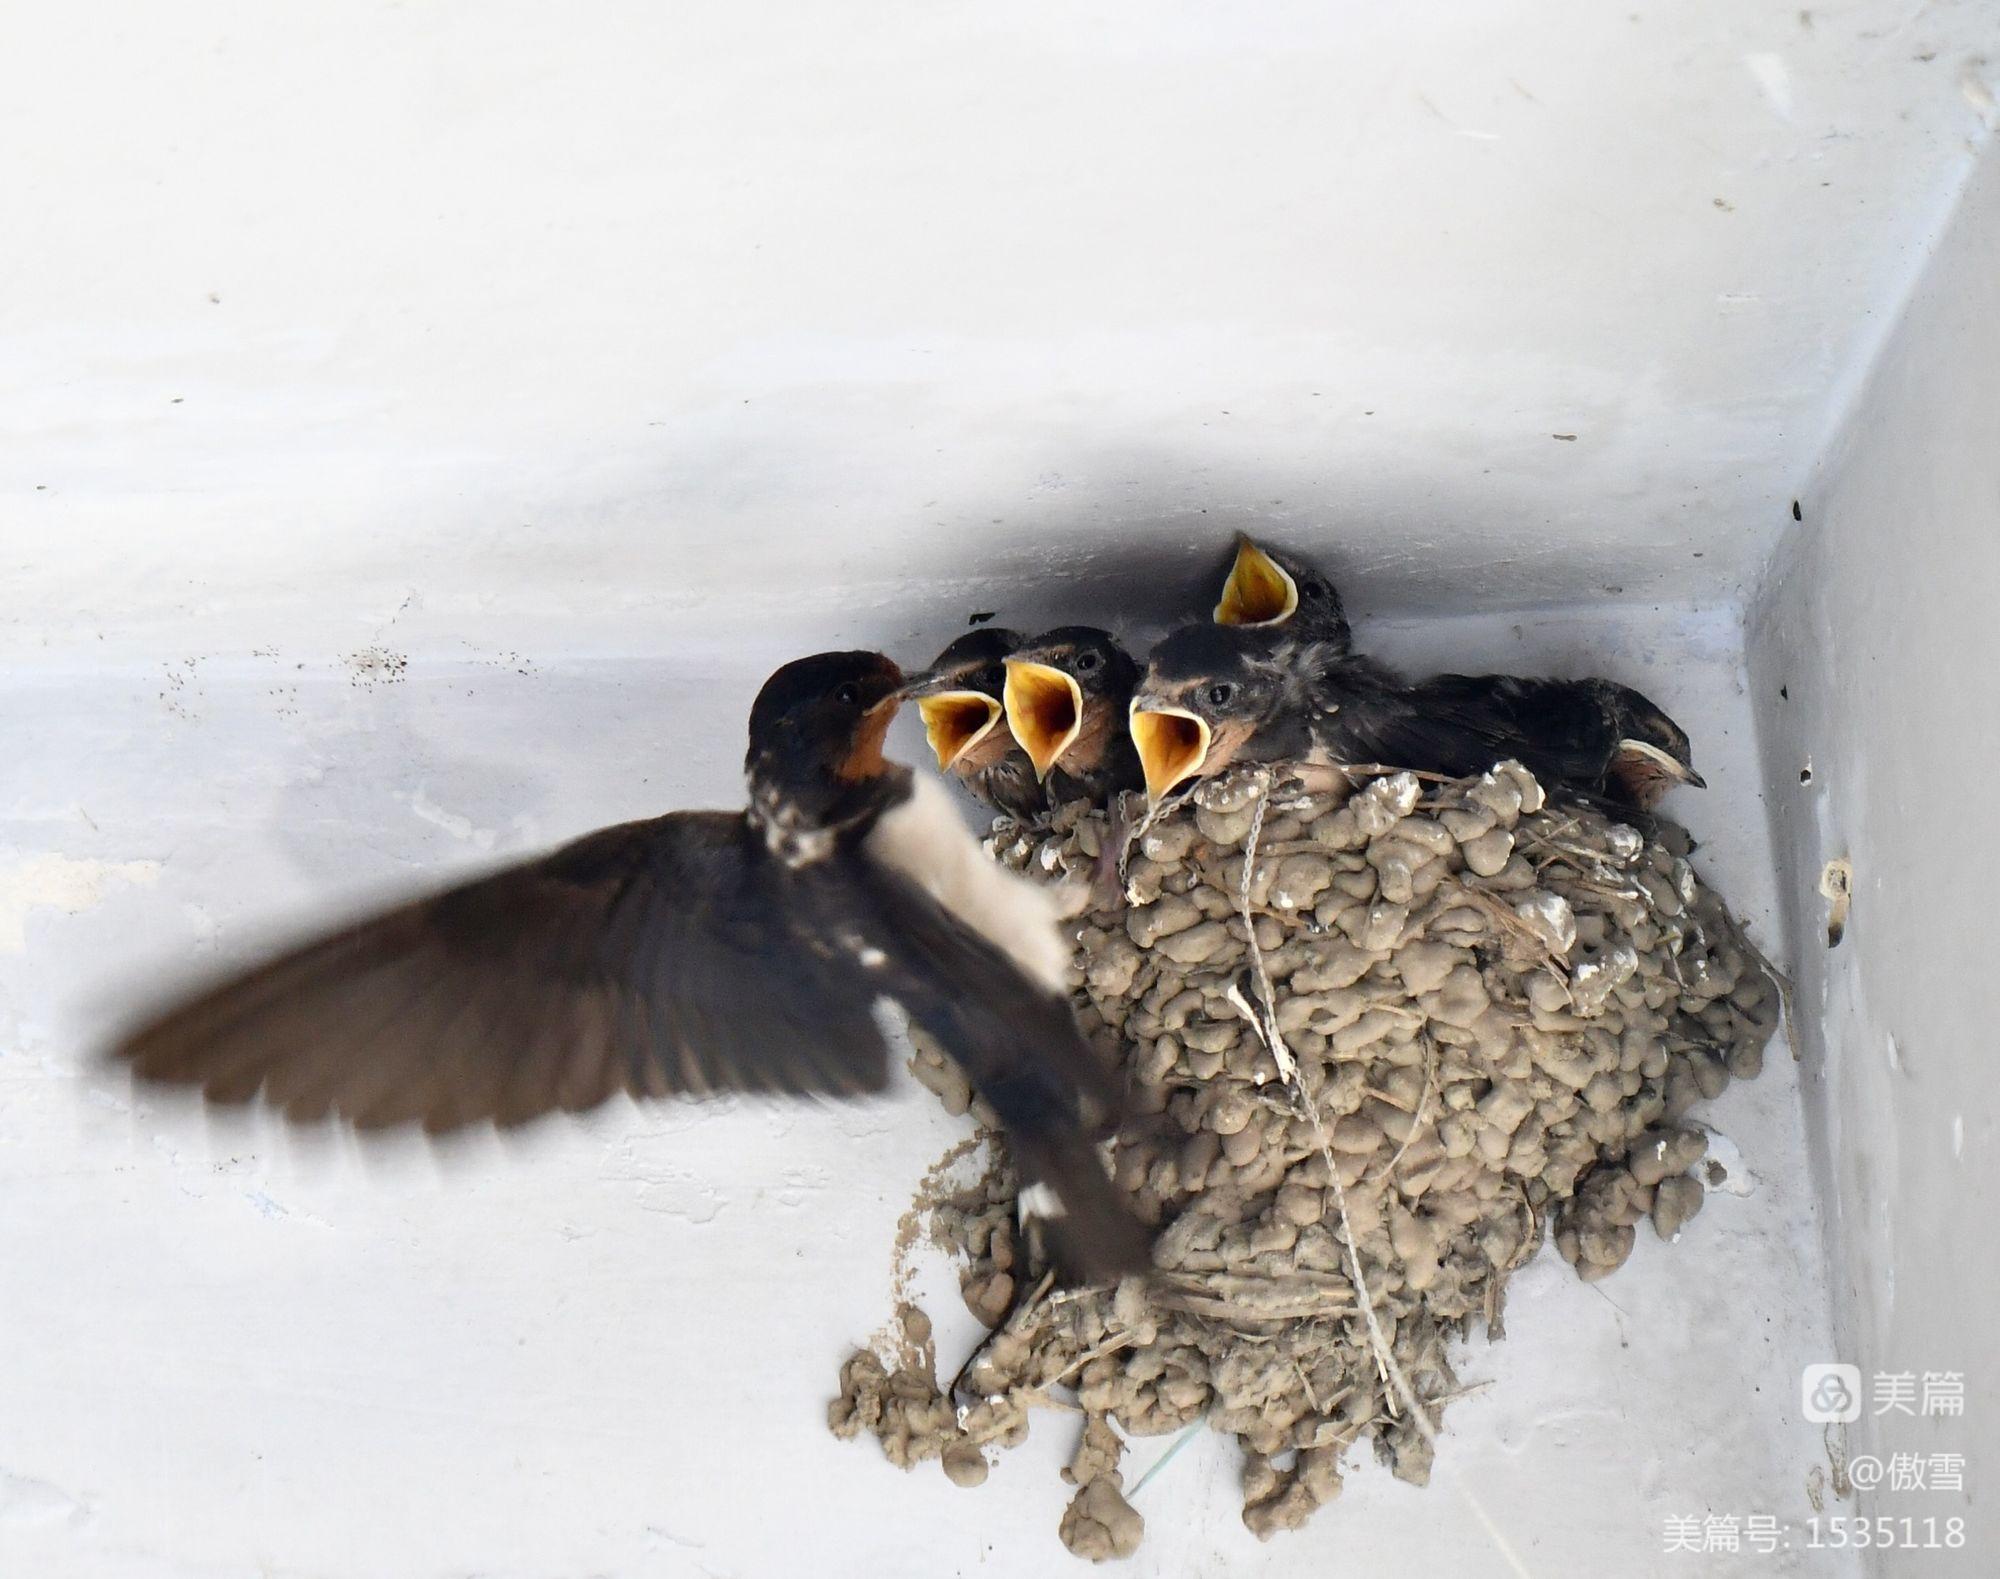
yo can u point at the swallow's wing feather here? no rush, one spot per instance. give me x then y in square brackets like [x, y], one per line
[1020, 1046]
[1463, 724]
[1555, 726]
[652, 958]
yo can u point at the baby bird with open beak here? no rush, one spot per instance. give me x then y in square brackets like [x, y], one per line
[1268, 590]
[960, 700]
[1068, 693]
[1213, 696]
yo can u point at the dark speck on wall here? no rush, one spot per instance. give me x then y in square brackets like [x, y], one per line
[374, 666]
[980, 618]
[1567, 438]
[1797, 513]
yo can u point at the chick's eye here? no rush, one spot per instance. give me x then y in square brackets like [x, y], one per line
[1308, 591]
[1086, 661]
[849, 693]
[1219, 695]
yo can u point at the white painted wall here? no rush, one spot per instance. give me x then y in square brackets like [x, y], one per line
[229, 1349]
[595, 357]
[1876, 668]
[548, 324]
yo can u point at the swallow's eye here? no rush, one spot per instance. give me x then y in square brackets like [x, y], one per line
[1219, 695]
[1086, 661]
[849, 694]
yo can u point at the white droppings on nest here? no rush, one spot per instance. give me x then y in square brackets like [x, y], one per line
[1723, 1171]
[1550, 918]
[1376, 1040]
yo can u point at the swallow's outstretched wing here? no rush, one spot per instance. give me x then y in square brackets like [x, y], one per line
[652, 958]
[659, 957]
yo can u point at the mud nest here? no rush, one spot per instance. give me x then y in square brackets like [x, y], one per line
[1439, 1016]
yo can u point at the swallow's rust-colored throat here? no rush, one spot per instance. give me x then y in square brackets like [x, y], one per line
[864, 758]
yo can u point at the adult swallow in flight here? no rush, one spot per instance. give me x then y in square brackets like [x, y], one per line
[1269, 590]
[960, 700]
[1068, 693]
[1212, 696]
[695, 952]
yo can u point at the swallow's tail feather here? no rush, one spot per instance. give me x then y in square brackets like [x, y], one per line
[1085, 1220]
[1016, 1039]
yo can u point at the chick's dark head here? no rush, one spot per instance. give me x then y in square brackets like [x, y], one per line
[1067, 692]
[822, 719]
[1211, 696]
[976, 661]
[1653, 753]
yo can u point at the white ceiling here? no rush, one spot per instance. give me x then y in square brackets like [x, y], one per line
[568, 320]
